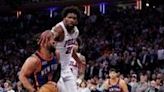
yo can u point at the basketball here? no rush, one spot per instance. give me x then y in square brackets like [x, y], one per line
[49, 87]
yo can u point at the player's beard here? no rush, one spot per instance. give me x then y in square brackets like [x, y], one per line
[70, 28]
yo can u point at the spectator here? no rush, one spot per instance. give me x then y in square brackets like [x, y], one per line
[129, 39]
[8, 86]
[152, 87]
[133, 82]
[83, 87]
[142, 84]
[100, 85]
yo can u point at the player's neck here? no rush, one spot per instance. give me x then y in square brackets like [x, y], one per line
[114, 79]
[70, 31]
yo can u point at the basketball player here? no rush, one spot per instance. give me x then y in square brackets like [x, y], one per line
[114, 83]
[67, 32]
[74, 67]
[78, 71]
[43, 65]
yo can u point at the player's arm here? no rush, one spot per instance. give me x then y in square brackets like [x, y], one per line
[123, 86]
[28, 68]
[75, 56]
[57, 54]
[57, 73]
[83, 59]
[58, 33]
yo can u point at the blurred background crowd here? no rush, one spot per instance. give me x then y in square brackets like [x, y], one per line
[129, 40]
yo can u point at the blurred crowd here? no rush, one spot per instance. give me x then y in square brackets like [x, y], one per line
[129, 40]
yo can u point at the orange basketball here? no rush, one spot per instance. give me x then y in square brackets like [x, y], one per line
[48, 87]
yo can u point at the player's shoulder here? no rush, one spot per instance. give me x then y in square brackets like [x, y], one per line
[58, 31]
[57, 28]
[32, 60]
[122, 82]
[76, 31]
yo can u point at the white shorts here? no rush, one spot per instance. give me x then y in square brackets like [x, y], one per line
[67, 81]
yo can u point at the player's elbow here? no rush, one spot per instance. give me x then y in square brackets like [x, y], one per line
[21, 77]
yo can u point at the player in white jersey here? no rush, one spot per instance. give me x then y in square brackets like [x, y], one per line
[74, 67]
[66, 33]
[77, 70]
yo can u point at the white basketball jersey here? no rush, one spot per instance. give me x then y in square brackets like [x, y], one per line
[65, 47]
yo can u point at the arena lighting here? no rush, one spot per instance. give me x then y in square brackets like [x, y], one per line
[87, 10]
[147, 4]
[19, 13]
[102, 8]
[51, 10]
[153, 6]
[138, 4]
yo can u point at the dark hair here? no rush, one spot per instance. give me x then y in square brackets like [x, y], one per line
[71, 9]
[83, 81]
[114, 70]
